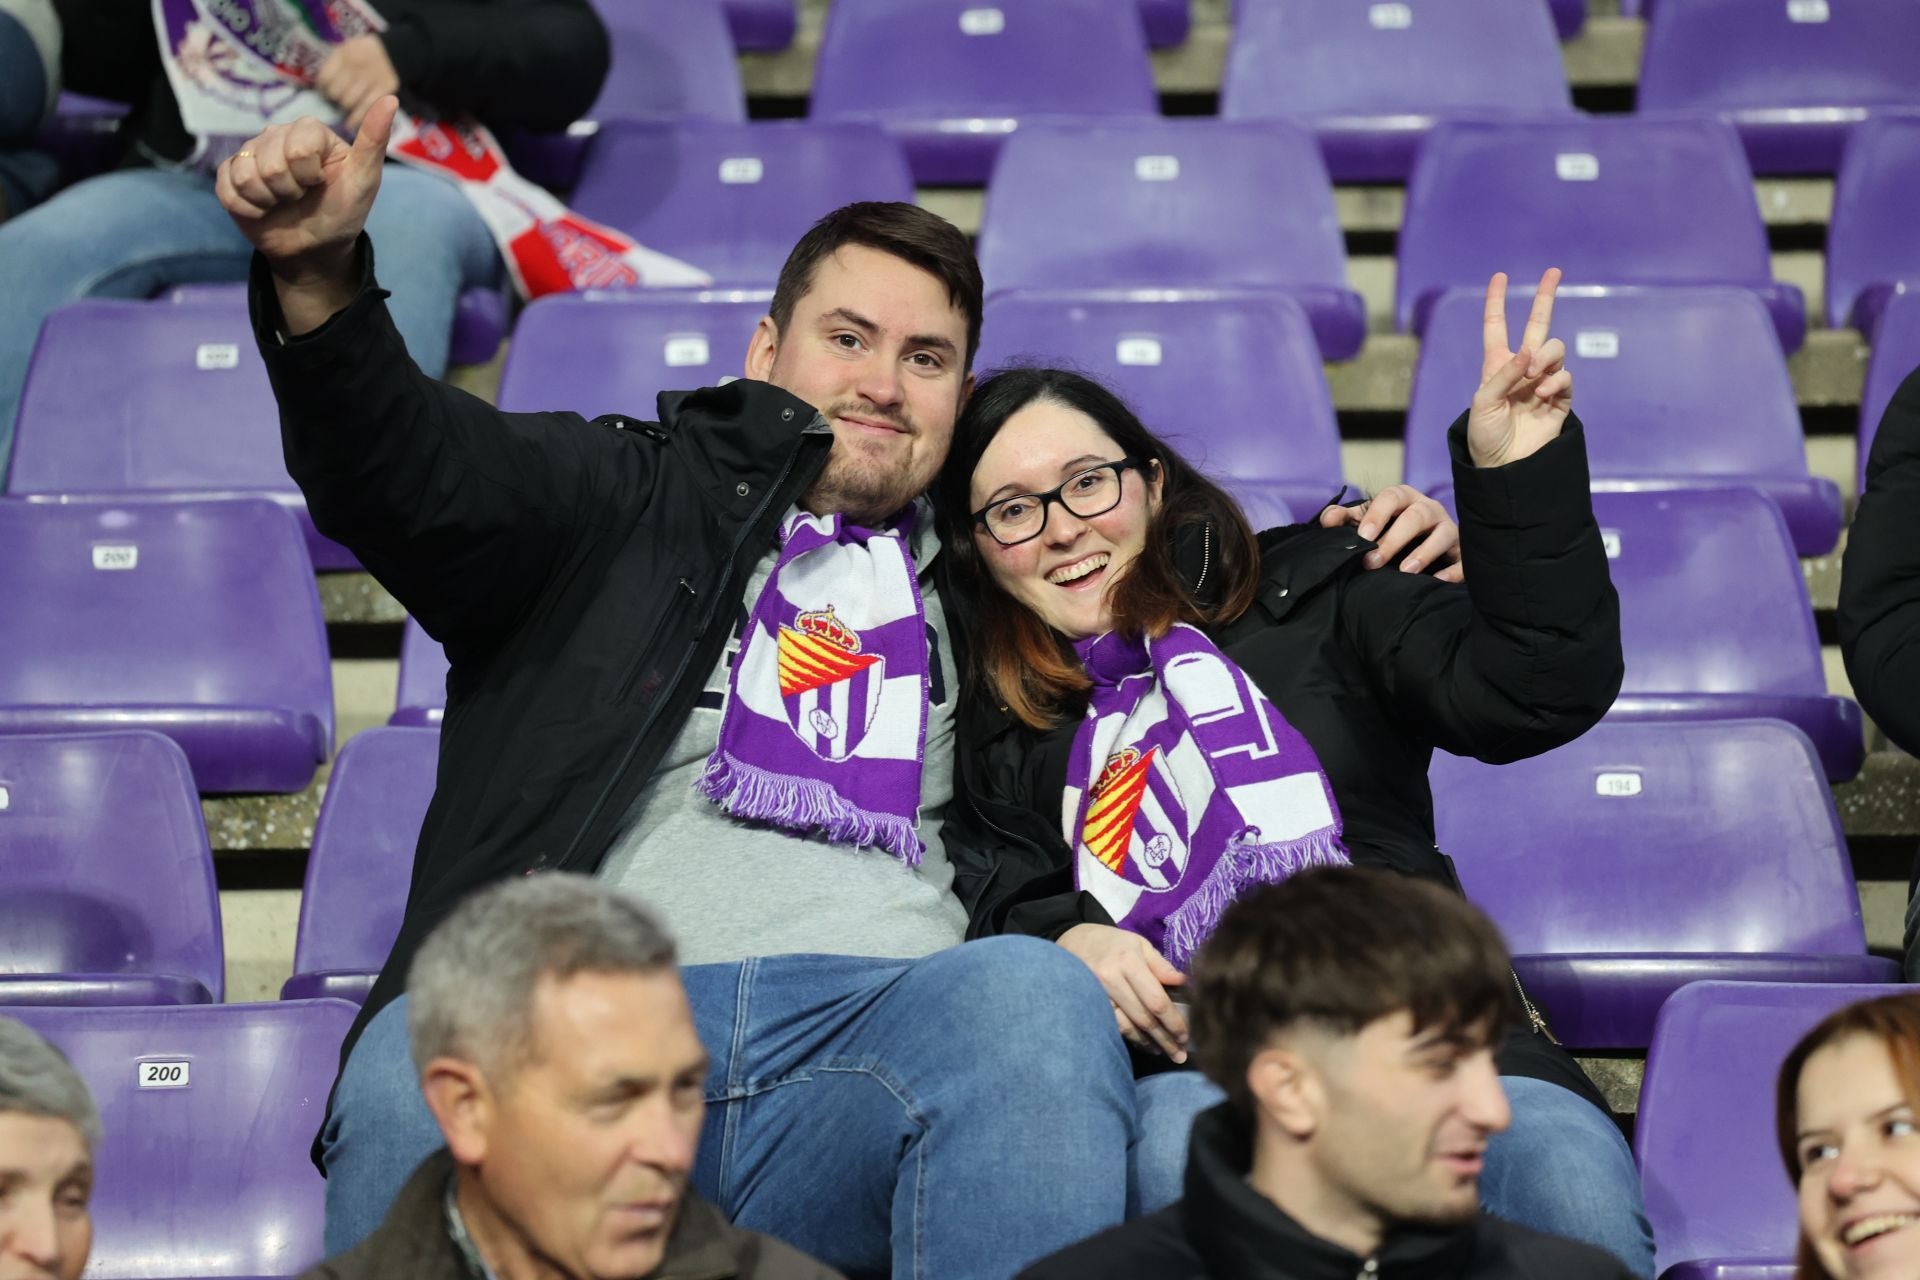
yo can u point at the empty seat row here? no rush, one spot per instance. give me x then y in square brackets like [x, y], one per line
[1645, 855]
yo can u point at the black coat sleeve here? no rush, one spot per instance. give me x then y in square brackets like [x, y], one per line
[1880, 576]
[457, 508]
[531, 64]
[1526, 656]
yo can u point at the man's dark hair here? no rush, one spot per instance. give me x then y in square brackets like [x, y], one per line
[906, 231]
[1338, 947]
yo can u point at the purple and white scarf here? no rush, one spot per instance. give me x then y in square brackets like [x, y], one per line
[1186, 787]
[826, 720]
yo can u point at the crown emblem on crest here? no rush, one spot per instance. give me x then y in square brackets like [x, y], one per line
[822, 625]
[1117, 764]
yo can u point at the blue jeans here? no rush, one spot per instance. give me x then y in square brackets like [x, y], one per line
[1561, 1166]
[956, 1116]
[136, 232]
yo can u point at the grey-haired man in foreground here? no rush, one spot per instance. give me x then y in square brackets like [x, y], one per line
[568, 1084]
[48, 1130]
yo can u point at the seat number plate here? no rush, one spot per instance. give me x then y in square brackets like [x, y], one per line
[982, 22]
[164, 1075]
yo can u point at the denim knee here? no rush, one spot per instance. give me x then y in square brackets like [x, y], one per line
[1032, 1000]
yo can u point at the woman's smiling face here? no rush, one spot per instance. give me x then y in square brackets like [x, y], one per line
[1064, 573]
[1859, 1154]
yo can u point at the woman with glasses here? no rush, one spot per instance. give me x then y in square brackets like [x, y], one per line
[1167, 707]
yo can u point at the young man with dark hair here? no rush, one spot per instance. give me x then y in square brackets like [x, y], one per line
[1351, 1015]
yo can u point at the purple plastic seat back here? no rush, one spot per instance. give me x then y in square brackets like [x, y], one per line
[1643, 855]
[613, 352]
[733, 198]
[672, 60]
[156, 398]
[198, 619]
[1166, 22]
[1794, 76]
[1234, 382]
[952, 78]
[762, 26]
[422, 695]
[207, 1112]
[362, 861]
[1895, 355]
[1872, 252]
[83, 135]
[480, 317]
[1170, 205]
[1677, 387]
[1609, 201]
[1370, 79]
[1715, 621]
[1709, 1162]
[109, 893]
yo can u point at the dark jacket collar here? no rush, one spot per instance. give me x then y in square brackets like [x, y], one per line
[1241, 1235]
[415, 1239]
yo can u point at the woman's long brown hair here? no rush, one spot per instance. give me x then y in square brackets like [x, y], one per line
[1892, 1020]
[1022, 662]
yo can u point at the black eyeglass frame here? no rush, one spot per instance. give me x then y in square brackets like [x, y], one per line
[1058, 494]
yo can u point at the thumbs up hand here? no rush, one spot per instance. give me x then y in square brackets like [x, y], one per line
[301, 194]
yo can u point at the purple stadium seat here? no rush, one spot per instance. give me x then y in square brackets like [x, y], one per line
[422, 695]
[1872, 252]
[672, 60]
[1371, 79]
[1166, 21]
[1620, 201]
[1172, 205]
[109, 895]
[1678, 388]
[207, 1112]
[1715, 620]
[762, 26]
[1643, 856]
[979, 70]
[1717, 1196]
[481, 317]
[1234, 381]
[156, 399]
[1569, 16]
[1794, 76]
[614, 352]
[1896, 353]
[362, 861]
[197, 619]
[733, 198]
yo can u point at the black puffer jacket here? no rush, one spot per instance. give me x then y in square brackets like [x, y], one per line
[1225, 1230]
[583, 577]
[1376, 670]
[535, 64]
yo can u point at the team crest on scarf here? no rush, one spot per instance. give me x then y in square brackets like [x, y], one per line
[830, 689]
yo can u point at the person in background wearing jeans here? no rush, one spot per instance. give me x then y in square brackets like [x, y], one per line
[155, 223]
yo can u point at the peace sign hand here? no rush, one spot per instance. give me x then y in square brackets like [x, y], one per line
[1524, 395]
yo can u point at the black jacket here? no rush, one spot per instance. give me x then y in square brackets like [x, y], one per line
[583, 577]
[1225, 1230]
[1880, 576]
[1375, 669]
[537, 64]
[413, 1242]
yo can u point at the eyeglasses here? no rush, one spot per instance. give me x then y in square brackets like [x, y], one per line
[1089, 493]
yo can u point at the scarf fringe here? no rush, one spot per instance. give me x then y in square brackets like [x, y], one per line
[804, 804]
[1242, 865]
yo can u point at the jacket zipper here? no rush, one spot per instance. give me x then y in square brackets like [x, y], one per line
[686, 658]
[1534, 1019]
